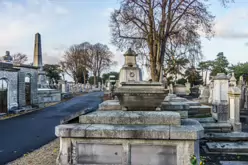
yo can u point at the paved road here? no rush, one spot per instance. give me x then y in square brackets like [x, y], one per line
[28, 132]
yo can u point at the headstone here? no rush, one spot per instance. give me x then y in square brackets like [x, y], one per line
[234, 101]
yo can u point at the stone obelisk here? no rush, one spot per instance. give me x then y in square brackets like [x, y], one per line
[37, 51]
[42, 80]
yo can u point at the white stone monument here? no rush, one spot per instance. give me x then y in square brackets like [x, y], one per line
[220, 98]
[130, 70]
[234, 104]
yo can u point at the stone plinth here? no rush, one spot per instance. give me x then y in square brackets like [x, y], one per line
[110, 105]
[180, 90]
[135, 139]
[141, 95]
[131, 118]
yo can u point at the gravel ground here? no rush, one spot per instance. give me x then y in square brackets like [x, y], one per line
[46, 155]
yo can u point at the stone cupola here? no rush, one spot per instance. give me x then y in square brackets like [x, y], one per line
[130, 70]
[130, 58]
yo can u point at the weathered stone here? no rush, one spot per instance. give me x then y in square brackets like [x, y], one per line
[132, 118]
[231, 136]
[205, 120]
[130, 70]
[190, 129]
[239, 147]
[110, 105]
[99, 153]
[142, 154]
[113, 131]
[174, 106]
[141, 95]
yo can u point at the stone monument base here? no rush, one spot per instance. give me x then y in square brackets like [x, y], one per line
[129, 138]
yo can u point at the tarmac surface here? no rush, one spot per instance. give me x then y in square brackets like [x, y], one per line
[25, 133]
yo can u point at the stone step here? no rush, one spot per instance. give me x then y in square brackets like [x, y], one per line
[234, 162]
[217, 127]
[244, 112]
[205, 120]
[232, 136]
[132, 118]
[243, 119]
[197, 111]
[231, 147]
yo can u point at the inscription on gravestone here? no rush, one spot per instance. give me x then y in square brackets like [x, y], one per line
[106, 154]
[153, 155]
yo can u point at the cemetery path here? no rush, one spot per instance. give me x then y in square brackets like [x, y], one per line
[25, 133]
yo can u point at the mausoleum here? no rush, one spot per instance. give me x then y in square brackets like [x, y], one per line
[18, 85]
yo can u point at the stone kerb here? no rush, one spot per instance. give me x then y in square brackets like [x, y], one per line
[234, 108]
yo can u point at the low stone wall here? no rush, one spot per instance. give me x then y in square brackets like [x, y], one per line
[48, 96]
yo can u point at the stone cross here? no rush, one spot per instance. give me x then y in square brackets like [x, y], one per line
[234, 111]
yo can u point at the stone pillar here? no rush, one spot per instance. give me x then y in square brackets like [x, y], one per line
[234, 108]
[220, 98]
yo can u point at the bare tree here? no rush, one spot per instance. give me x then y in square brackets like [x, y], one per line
[19, 58]
[76, 60]
[151, 23]
[101, 60]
